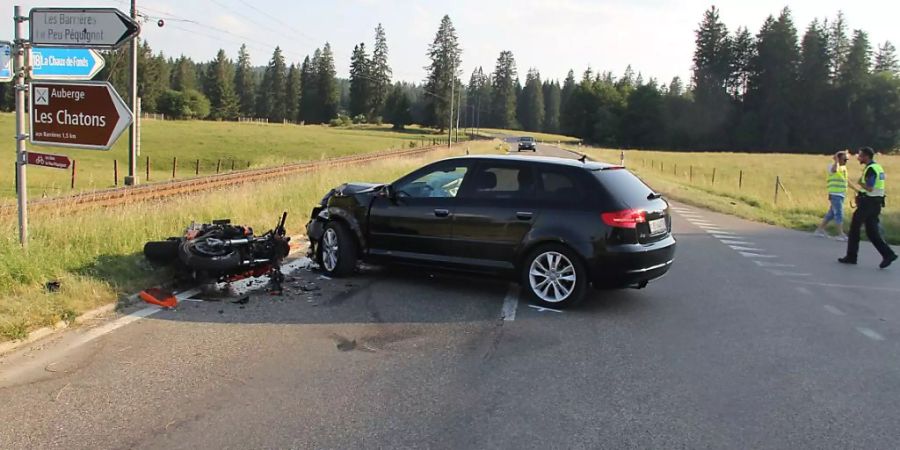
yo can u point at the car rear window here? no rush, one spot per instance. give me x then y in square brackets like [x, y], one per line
[624, 186]
[560, 187]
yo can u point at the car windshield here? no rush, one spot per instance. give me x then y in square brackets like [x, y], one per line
[527, 139]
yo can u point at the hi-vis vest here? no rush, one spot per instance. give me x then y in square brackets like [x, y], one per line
[837, 181]
[878, 189]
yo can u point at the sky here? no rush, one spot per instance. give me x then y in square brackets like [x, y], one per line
[656, 37]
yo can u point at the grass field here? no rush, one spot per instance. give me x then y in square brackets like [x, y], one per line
[544, 137]
[244, 143]
[802, 199]
[96, 255]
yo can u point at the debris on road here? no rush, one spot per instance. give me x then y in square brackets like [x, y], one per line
[159, 297]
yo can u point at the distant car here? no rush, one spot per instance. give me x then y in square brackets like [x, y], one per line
[555, 225]
[527, 143]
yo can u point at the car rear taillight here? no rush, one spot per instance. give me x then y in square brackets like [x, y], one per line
[628, 218]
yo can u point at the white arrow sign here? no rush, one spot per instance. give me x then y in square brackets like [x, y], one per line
[81, 27]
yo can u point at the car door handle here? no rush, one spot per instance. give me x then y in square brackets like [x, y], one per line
[524, 215]
[441, 212]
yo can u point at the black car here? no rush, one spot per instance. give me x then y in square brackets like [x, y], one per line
[556, 225]
[527, 143]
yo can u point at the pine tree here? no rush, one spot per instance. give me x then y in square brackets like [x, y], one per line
[443, 73]
[533, 95]
[504, 101]
[568, 88]
[224, 103]
[150, 82]
[774, 81]
[292, 94]
[886, 59]
[270, 99]
[742, 52]
[712, 74]
[838, 46]
[327, 86]
[552, 96]
[397, 108]
[380, 73]
[361, 82]
[245, 83]
[184, 75]
[310, 103]
[813, 89]
[854, 80]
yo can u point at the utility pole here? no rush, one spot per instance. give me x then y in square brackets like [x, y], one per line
[450, 121]
[131, 179]
[458, 107]
[20, 70]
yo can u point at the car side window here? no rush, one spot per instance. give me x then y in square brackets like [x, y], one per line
[441, 182]
[500, 181]
[560, 186]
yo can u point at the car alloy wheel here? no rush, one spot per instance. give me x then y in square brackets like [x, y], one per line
[330, 250]
[552, 277]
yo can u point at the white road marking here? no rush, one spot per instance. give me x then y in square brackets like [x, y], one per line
[745, 249]
[542, 309]
[731, 242]
[848, 286]
[756, 255]
[869, 333]
[834, 310]
[782, 273]
[772, 264]
[804, 290]
[726, 233]
[510, 303]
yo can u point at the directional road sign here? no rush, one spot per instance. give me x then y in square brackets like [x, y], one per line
[48, 160]
[5, 61]
[52, 63]
[77, 114]
[81, 27]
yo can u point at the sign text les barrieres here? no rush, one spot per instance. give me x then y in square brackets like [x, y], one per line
[77, 114]
[81, 27]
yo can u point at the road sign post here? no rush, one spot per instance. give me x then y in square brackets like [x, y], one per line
[77, 114]
[19, 68]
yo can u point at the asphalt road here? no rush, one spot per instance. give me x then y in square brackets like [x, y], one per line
[757, 338]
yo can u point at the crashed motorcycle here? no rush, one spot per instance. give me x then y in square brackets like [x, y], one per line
[222, 252]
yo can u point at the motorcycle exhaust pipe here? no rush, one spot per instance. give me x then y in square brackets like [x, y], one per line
[255, 261]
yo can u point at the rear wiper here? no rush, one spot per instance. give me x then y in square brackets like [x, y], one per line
[654, 196]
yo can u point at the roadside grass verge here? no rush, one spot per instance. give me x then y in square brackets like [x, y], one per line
[744, 184]
[545, 137]
[96, 255]
[214, 144]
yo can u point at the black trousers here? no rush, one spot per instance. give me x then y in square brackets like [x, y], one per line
[867, 211]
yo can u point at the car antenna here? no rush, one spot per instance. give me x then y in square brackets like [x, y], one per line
[583, 158]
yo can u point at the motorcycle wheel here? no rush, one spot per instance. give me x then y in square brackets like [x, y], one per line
[161, 252]
[198, 260]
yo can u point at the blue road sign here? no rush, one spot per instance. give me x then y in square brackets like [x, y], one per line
[5, 62]
[50, 63]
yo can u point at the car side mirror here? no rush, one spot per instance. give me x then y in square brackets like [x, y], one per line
[388, 192]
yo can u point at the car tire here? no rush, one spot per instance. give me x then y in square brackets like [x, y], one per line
[561, 287]
[336, 253]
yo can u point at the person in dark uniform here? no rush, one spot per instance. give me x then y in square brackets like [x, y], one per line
[869, 201]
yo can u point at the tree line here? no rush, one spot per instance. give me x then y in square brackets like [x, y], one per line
[772, 91]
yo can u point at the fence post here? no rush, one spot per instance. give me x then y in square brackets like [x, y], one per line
[714, 176]
[174, 164]
[662, 166]
[675, 170]
[218, 165]
[741, 180]
[73, 175]
[692, 173]
[232, 165]
[197, 167]
[115, 172]
[248, 164]
[777, 183]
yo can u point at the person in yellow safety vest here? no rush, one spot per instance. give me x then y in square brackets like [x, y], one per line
[869, 201]
[837, 182]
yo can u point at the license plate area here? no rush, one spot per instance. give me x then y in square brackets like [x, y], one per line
[657, 227]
